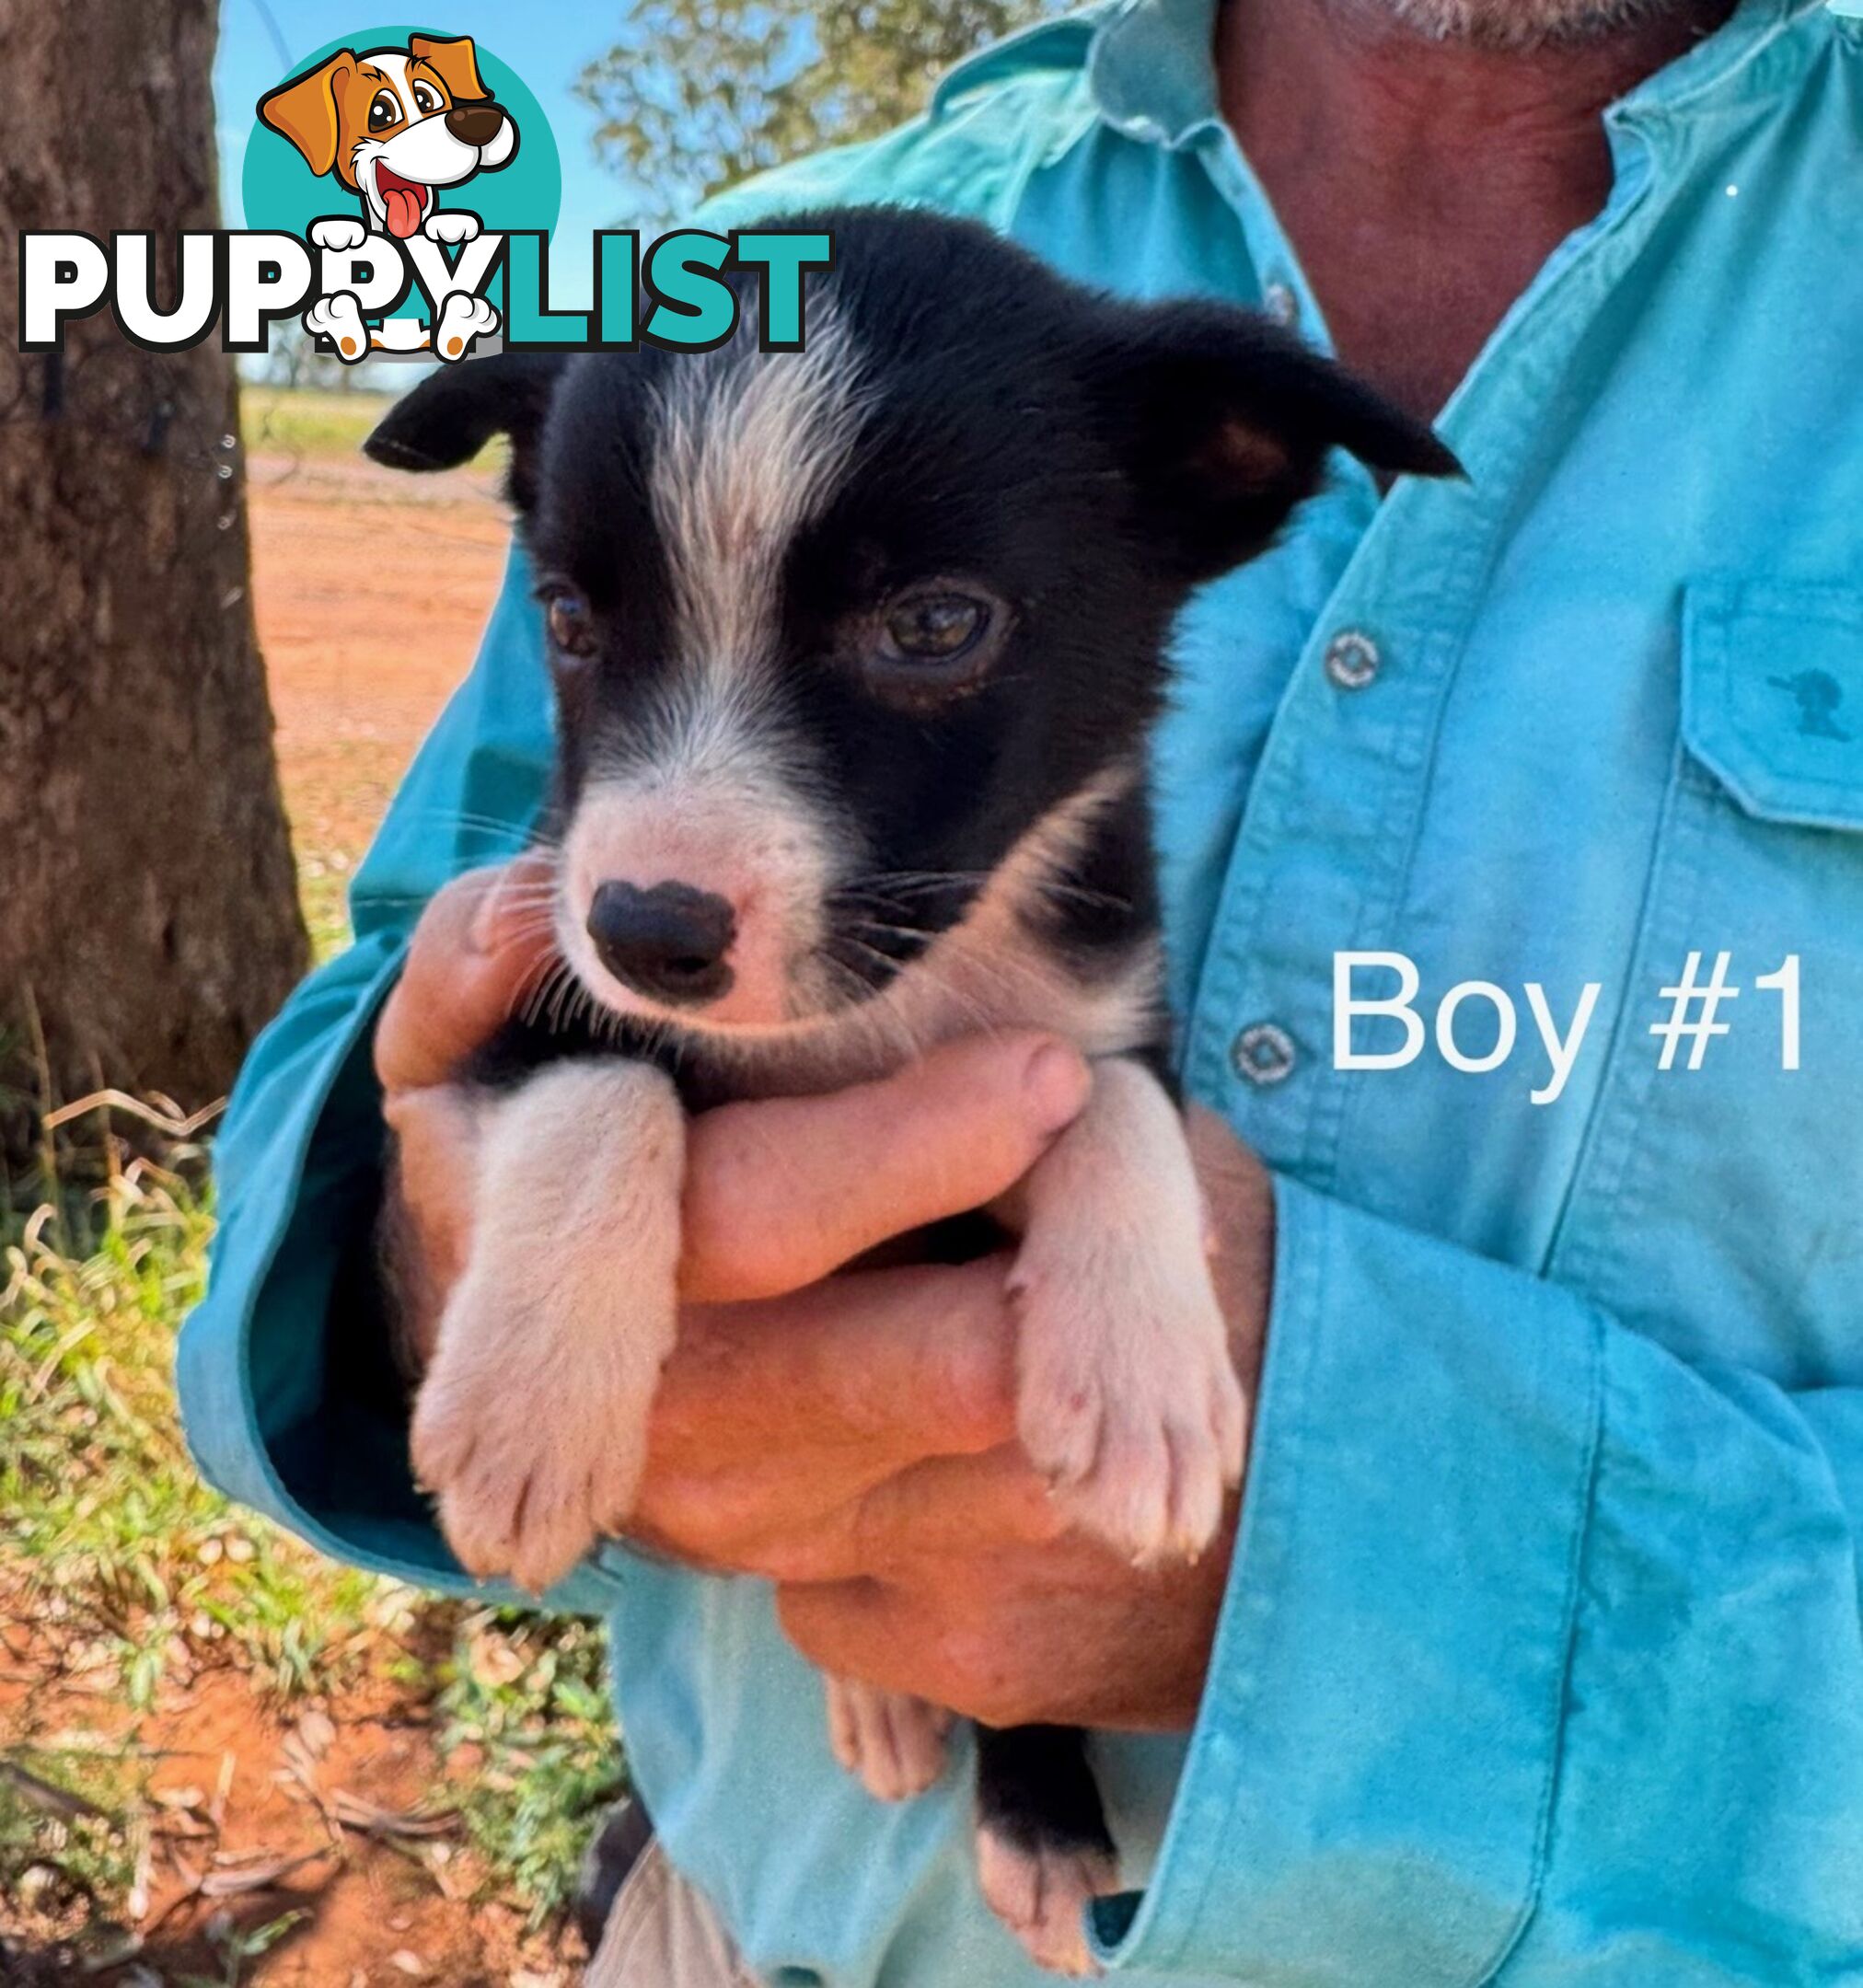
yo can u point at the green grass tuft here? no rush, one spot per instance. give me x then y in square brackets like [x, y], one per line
[528, 1700]
[119, 1565]
[68, 1848]
[304, 422]
[120, 1549]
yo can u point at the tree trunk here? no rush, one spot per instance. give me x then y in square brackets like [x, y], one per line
[148, 911]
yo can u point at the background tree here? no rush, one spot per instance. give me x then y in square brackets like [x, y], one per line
[697, 94]
[149, 914]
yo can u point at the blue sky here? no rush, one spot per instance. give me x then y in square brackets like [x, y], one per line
[547, 44]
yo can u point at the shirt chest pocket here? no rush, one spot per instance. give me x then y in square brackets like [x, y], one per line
[1719, 1203]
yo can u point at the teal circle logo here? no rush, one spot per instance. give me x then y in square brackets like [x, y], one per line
[289, 181]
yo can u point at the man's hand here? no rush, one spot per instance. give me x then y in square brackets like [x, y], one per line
[483, 947]
[953, 1577]
[854, 1439]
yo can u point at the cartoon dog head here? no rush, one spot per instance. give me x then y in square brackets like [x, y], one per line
[395, 126]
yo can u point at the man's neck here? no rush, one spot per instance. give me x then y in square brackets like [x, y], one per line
[1424, 182]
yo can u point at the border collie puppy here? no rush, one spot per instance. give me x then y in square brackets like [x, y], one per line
[857, 650]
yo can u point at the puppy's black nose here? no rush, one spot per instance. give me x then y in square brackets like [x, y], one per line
[475, 123]
[668, 942]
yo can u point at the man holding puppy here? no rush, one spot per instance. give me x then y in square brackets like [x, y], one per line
[1534, 1652]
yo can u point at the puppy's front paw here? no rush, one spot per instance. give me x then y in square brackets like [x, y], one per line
[450, 225]
[529, 1468]
[340, 232]
[893, 1745]
[1040, 1892]
[1126, 1399]
[531, 1427]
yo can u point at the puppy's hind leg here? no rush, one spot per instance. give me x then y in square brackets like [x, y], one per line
[1043, 1848]
[531, 1427]
[894, 1745]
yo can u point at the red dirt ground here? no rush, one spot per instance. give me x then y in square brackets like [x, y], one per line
[371, 590]
[337, 1814]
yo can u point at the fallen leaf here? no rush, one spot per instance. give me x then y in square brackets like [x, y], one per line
[316, 1730]
[250, 1876]
[357, 1813]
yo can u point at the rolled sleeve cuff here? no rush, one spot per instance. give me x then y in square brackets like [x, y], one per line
[1367, 1789]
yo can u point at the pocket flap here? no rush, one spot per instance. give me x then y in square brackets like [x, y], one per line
[1772, 696]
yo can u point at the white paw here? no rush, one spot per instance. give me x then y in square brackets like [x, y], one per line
[893, 1745]
[451, 225]
[340, 232]
[530, 1465]
[339, 318]
[1127, 1398]
[1041, 1894]
[531, 1427]
[525, 1481]
[462, 320]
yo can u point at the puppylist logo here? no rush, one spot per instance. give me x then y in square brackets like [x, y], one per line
[402, 129]
[401, 188]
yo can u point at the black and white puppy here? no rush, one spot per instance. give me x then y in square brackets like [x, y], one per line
[857, 650]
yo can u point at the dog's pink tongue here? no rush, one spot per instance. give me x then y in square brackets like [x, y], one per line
[403, 203]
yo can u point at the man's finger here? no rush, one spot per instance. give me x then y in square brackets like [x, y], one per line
[885, 1637]
[856, 1380]
[942, 1508]
[781, 1193]
[868, 1373]
[864, 1629]
[482, 944]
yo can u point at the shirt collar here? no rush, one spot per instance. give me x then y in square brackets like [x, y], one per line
[1151, 74]
[1152, 69]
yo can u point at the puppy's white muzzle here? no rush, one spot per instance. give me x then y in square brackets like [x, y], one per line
[696, 896]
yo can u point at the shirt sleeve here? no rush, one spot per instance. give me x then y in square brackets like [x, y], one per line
[286, 1390]
[1540, 1644]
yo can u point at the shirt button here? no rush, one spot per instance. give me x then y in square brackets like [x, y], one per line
[1352, 659]
[1280, 303]
[1263, 1053]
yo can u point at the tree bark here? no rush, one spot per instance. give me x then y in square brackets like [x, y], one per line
[148, 911]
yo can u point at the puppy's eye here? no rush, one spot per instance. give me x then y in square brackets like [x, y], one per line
[936, 626]
[426, 98]
[571, 622]
[384, 110]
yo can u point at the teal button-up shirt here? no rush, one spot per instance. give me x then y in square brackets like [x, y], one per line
[1541, 1661]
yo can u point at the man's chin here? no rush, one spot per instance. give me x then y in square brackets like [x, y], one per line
[1524, 25]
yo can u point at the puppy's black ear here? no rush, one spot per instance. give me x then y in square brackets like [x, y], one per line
[454, 412]
[1223, 420]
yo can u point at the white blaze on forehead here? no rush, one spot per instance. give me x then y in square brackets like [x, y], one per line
[711, 785]
[394, 68]
[749, 445]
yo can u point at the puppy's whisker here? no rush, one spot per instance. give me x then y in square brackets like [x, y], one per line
[924, 971]
[533, 831]
[547, 990]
